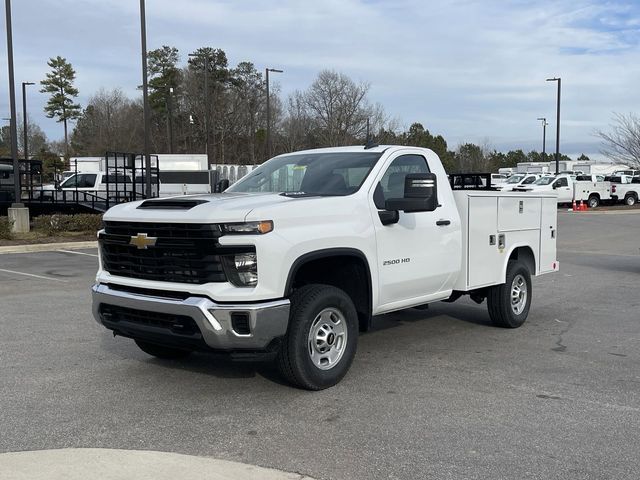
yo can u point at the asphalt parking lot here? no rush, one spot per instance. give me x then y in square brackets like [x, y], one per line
[432, 394]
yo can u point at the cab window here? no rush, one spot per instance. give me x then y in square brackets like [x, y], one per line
[392, 183]
[528, 180]
[562, 182]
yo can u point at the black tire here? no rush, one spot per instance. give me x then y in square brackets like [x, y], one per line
[161, 351]
[594, 201]
[630, 200]
[294, 359]
[499, 299]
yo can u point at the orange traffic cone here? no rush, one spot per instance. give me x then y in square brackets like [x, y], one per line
[585, 206]
[574, 206]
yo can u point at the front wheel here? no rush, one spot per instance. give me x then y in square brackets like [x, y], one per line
[321, 339]
[509, 303]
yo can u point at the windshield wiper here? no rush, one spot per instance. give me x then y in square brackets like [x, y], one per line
[309, 194]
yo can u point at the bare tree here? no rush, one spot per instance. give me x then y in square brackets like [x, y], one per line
[297, 125]
[111, 121]
[339, 108]
[35, 136]
[622, 142]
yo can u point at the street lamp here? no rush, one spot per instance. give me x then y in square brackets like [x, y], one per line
[24, 118]
[206, 101]
[544, 137]
[267, 70]
[145, 100]
[559, 80]
[168, 101]
[12, 101]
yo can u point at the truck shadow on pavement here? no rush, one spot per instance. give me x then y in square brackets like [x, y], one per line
[409, 327]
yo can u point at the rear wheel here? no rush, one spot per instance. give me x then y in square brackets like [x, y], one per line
[594, 201]
[162, 351]
[630, 200]
[321, 339]
[509, 303]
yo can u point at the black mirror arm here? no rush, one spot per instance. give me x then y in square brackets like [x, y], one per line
[389, 217]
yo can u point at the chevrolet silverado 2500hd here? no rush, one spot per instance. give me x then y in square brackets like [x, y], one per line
[294, 259]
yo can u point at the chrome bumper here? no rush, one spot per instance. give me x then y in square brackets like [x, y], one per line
[267, 320]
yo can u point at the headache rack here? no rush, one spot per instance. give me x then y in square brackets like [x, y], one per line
[471, 181]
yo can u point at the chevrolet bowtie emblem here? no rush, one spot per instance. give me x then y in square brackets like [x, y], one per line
[142, 241]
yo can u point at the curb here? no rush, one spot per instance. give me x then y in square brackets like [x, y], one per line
[107, 464]
[47, 247]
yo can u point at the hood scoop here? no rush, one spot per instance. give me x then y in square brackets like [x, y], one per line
[170, 204]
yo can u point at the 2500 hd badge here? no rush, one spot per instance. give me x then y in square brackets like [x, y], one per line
[395, 261]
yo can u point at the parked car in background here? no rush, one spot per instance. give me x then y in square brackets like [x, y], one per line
[561, 184]
[517, 180]
[498, 179]
[590, 177]
[618, 178]
[628, 193]
[630, 172]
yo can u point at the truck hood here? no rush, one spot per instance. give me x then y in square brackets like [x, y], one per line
[211, 208]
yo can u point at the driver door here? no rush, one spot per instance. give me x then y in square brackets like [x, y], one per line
[565, 192]
[417, 255]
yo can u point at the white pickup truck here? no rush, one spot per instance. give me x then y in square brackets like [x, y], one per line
[298, 256]
[117, 186]
[623, 190]
[568, 188]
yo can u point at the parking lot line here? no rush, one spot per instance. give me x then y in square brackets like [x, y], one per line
[33, 275]
[78, 253]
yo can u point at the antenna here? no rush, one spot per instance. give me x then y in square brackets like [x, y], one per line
[369, 143]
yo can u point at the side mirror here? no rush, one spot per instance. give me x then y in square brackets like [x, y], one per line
[420, 194]
[554, 186]
[222, 185]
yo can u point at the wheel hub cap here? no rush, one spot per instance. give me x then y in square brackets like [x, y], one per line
[327, 338]
[518, 294]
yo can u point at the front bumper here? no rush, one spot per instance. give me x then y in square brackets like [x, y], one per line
[215, 326]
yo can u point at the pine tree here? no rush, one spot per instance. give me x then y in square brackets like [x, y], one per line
[59, 83]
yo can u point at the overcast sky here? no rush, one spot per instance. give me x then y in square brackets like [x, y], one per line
[473, 71]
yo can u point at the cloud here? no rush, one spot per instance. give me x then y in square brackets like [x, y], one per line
[471, 70]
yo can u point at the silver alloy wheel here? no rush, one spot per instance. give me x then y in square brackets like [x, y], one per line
[631, 200]
[593, 202]
[518, 294]
[327, 338]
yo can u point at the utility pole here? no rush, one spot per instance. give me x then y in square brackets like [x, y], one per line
[267, 70]
[24, 118]
[12, 101]
[145, 101]
[559, 80]
[544, 137]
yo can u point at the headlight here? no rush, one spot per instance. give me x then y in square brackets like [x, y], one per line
[264, 226]
[241, 269]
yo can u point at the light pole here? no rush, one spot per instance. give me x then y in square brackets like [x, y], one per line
[267, 70]
[559, 80]
[206, 101]
[169, 117]
[24, 118]
[145, 100]
[12, 101]
[544, 137]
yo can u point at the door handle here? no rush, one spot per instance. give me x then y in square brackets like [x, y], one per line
[442, 223]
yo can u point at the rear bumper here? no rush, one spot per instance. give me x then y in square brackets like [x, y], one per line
[193, 322]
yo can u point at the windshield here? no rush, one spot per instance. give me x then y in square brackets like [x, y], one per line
[515, 179]
[325, 174]
[544, 181]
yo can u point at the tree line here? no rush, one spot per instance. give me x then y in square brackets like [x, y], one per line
[206, 105]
